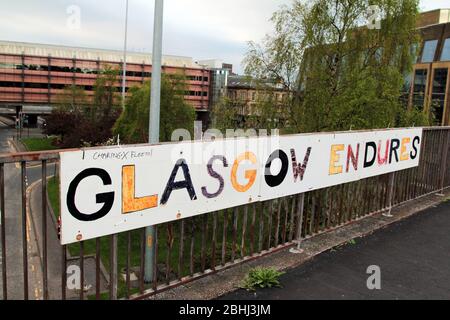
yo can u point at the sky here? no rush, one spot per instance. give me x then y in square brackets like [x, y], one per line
[202, 29]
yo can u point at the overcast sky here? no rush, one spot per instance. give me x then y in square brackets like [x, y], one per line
[203, 29]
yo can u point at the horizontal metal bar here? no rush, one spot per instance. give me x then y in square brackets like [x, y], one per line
[54, 154]
[30, 156]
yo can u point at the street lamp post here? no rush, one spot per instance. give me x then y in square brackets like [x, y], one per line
[124, 68]
[154, 122]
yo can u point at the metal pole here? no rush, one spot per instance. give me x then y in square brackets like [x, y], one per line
[154, 122]
[388, 214]
[124, 71]
[301, 207]
[113, 268]
[444, 163]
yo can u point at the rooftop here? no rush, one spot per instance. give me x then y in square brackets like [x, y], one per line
[433, 17]
[237, 81]
[37, 49]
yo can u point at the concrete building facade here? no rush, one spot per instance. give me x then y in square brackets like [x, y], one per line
[35, 74]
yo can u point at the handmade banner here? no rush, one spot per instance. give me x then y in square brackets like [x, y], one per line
[110, 190]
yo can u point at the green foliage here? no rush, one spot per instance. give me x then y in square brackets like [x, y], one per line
[53, 195]
[176, 113]
[78, 120]
[266, 112]
[39, 144]
[262, 278]
[342, 74]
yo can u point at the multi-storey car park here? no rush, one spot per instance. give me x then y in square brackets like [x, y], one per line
[32, 76]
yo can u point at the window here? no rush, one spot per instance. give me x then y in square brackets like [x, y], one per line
[438, 96]
[414, 50]
[445, 56]
[406, 89]
[429, 50]
[420, 84]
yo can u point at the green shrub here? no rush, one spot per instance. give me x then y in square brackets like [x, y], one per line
[261, 278]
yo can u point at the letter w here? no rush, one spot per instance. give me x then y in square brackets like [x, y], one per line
[299, 171]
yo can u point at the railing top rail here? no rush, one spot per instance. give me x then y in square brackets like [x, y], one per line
[30, 156]
[436, 128]
[54, 154]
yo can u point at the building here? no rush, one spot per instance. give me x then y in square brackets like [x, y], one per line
[220, 73]
[33, 75]
[429, 84]
[244, 93]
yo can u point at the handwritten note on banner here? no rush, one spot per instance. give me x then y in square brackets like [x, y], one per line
[111, 190]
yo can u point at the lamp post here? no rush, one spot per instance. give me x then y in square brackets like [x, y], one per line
[124, 68]
[154, 122]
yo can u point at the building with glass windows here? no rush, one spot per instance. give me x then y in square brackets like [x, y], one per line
[429, 84]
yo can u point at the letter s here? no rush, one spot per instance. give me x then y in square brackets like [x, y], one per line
[106, 198]
[415, 145]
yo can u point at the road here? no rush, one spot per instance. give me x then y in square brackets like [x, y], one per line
[413, 256]
[13, 225]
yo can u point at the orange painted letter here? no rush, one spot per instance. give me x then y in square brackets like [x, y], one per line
[129, 201]
[335, 157]
[404, 155]
[250, 175]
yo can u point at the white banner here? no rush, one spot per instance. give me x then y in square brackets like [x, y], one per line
[111, 190]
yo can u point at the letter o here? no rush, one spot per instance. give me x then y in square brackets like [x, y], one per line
[275, 181]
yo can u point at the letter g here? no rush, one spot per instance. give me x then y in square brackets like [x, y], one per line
[106, 198]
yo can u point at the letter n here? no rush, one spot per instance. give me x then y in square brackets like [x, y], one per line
[354, 158]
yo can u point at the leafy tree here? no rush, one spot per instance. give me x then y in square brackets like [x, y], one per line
[341, 74]
[79, 121]
[176, 113]
[266, 112]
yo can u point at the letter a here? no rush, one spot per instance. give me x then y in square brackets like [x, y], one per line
[374, 281]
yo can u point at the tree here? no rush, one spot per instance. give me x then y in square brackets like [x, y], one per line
[176, 113]
[342, 74]
[266, 113]
[80, 121]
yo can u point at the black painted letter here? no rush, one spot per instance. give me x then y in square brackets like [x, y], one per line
[415, 145]
[368, 163]
[275, 181]
[185, 184]
[106, 198]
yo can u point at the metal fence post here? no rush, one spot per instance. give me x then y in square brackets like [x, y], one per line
[3, 230]
[113, 268]
[444, 164]
[301, 207]
[391, 185]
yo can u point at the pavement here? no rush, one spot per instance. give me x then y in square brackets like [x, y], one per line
[54, 259]
[13, 217]
[413, 256]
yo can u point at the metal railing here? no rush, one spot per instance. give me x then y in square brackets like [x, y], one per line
[191, 248]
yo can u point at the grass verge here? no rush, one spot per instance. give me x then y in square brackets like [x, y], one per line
[39, 144]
